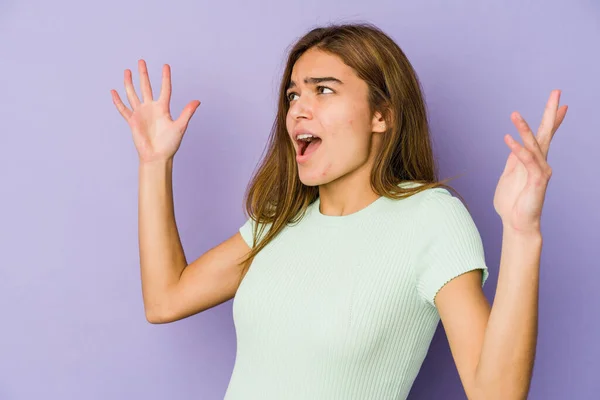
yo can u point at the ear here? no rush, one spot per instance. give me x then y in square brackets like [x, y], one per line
[378, 124]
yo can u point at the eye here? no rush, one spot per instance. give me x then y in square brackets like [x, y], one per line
[289, 95]
[324, 87]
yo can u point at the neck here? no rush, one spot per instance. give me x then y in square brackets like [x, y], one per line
[347, 194]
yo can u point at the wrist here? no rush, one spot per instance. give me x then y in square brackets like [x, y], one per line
[155, 164]
[521, 235]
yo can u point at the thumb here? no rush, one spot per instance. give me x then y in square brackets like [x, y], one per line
[187, 113]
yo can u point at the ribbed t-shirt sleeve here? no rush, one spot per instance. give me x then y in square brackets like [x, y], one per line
[246, 231]
[451, 243]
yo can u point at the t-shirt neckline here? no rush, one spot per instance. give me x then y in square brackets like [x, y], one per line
[336, 220]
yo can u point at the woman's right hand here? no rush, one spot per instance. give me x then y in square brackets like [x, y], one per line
[155, 135]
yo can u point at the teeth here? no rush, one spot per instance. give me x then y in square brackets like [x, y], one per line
[306, 136]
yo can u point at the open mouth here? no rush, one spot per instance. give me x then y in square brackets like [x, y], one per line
[308, 145]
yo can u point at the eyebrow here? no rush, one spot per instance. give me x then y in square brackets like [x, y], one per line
[314, 81]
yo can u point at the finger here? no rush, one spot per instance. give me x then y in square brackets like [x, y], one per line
[526, 156]
[165, 91]
[511, 163]
[545, 130]
[528, 139]
[560, 116]
[132, 96]
[145, 81]
[187, 114]
[123, 110]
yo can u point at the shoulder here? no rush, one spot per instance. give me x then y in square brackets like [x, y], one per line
[420, 211]
[250, 226]
[442, 216]
[437, 197]
[437, 209]
[439, 202]
[429, 191]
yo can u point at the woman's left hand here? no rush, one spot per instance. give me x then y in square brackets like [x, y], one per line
[522, 187]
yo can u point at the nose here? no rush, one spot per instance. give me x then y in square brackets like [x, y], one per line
[301, 108]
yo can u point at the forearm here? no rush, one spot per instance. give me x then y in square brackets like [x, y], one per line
[162, 258]
[506, 362]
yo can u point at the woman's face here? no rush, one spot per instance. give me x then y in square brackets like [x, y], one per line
[327, 99]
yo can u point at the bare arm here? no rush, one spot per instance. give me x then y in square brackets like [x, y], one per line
[508, 350]
[494, 347]
[171, 289]
[209, 281]
[162, 258]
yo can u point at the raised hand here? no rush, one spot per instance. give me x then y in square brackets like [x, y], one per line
[155, 135]
[521, 190]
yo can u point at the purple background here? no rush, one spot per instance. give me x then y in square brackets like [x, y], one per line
[73, 325]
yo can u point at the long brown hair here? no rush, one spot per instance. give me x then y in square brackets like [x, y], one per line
[276, 196]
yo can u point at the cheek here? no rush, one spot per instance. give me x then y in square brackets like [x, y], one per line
[348, 136]
[326, 169]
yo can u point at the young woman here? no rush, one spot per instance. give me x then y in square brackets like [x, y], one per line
[353, 250]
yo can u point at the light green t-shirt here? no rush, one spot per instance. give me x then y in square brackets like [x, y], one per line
[342, 307]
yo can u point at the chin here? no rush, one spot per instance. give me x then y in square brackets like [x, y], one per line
[311, 181]
[310, 177]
